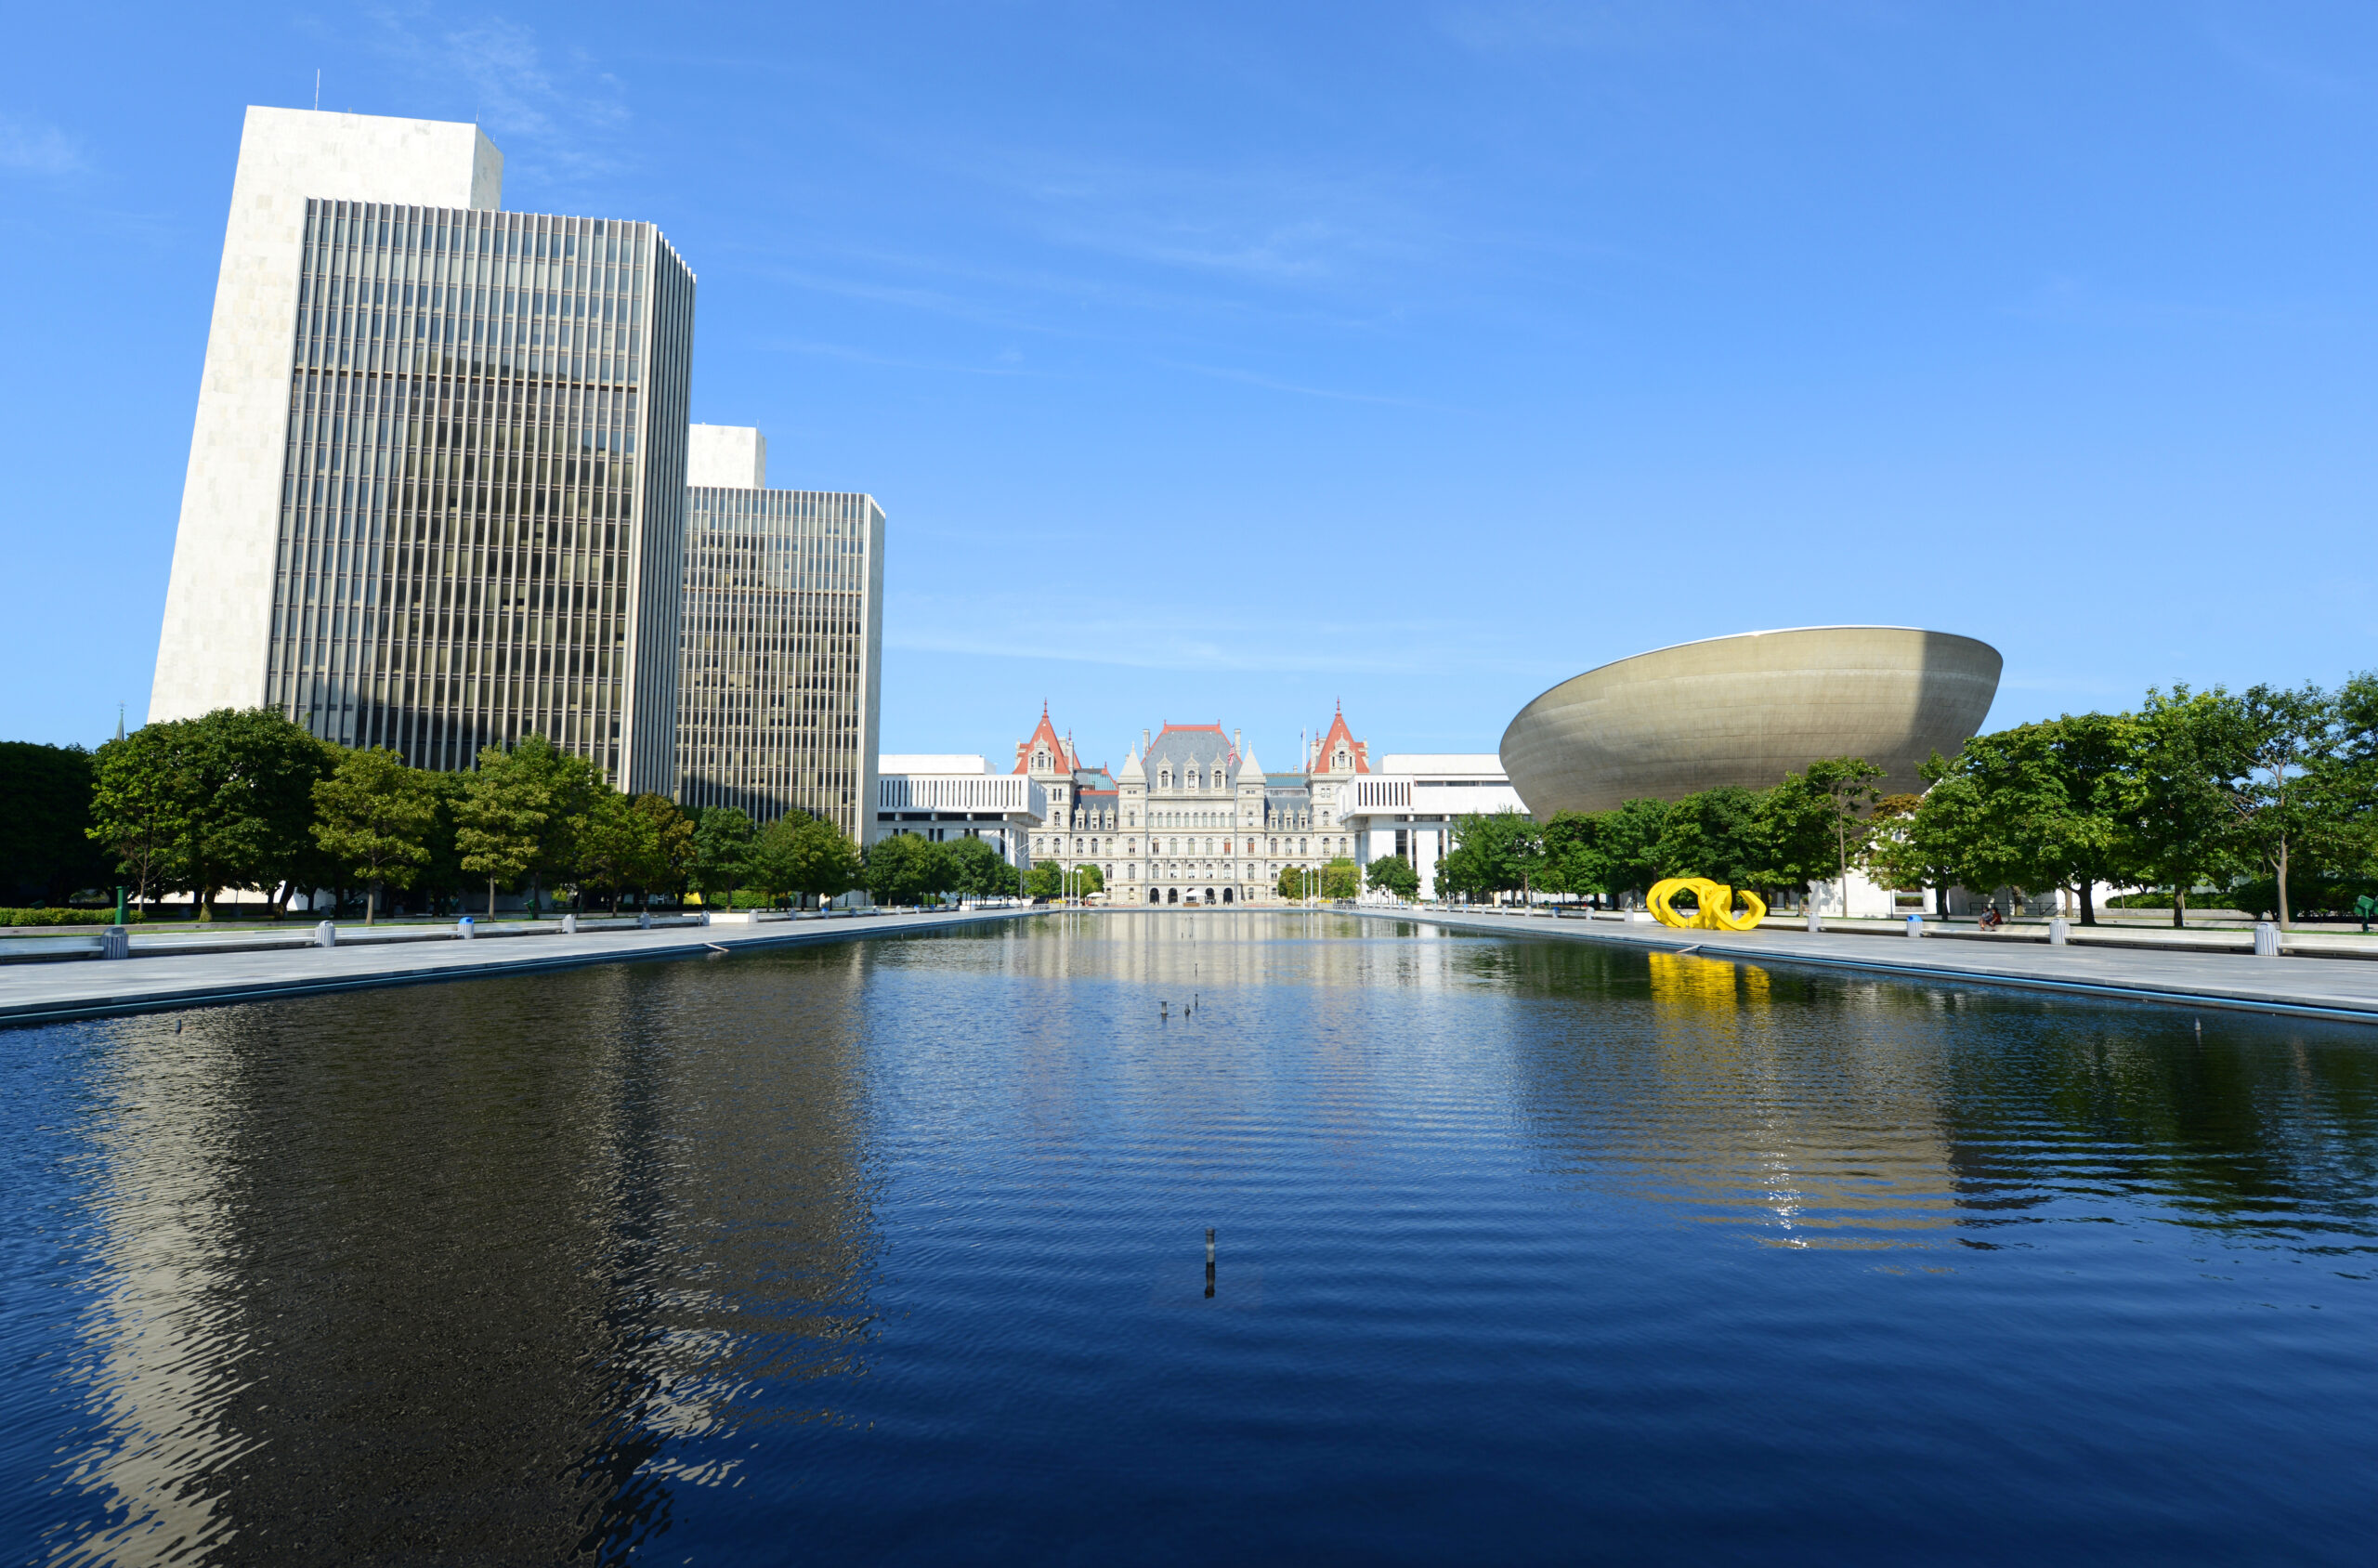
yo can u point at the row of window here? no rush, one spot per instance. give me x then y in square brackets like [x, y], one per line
[1052, 844]
[773, 637]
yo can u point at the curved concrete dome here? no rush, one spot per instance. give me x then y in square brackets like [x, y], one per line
[1747, 710]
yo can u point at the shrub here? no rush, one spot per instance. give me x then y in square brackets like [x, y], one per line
[63, 916]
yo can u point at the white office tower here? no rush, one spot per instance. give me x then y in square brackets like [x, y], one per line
[783, 641]
[436, 497]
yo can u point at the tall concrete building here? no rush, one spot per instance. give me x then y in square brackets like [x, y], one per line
[436, 486]
[782, 641]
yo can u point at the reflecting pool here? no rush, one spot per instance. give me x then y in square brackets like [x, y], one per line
[894, 1252]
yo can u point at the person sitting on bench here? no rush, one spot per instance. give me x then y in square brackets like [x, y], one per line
[1992, 920]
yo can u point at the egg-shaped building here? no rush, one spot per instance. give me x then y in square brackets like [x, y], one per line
[1746, 710]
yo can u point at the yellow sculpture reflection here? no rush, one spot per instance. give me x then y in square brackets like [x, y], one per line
[1715, 901]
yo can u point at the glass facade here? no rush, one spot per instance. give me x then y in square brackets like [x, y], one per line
[483, 511]
[782, 643]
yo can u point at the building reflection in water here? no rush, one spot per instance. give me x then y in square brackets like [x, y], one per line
[386, 1273]
[1833, 1111]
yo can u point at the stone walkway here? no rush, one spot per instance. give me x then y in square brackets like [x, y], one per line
[40, 993]
[2323, 987]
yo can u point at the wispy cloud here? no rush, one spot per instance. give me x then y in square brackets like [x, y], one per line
[1530, 26]
[562, 109]
[971, 629]
[1250, 379]
[34, 149]
[1010, 363]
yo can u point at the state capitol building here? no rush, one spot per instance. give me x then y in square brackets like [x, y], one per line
[1191, 817]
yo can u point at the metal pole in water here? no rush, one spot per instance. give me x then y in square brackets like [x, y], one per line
[1210, 1262]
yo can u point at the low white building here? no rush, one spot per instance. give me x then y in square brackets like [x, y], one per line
[943, 796]
[1408, 807]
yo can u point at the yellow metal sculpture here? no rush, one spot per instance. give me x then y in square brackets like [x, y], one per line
[1715, 901]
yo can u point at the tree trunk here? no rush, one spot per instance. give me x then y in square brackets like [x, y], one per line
[2088, 903]
[2179, 907]
[490, 897]
[370, 902]
[2282, 883]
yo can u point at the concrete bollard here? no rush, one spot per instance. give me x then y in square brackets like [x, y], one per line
[1915, 925]
[2266, 939]
[2059, 932]
[465, 929]
[115, 942]
[569, 924]
[326, 935]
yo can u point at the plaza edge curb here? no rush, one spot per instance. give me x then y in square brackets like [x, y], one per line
[2244, 1001]
[15, 1016]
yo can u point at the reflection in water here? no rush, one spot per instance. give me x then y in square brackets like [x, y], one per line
[874, 1249]
[457, 1260]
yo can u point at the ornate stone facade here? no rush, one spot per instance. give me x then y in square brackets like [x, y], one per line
[1191, 817]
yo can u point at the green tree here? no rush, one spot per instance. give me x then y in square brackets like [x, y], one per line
[617, 845]
[722, 841]
[2033, 807]
[570, 785]
[2173, 803]
[1816, 822]
[2092, 753]
[1720, 833]
[1494, 852]
[1631, 834]
[1577, 855]
[976, 871]
[141, 802]
[1340, 878]
[904, 867]
[501, 823]
[826, 864]
[2280, 743]
[47, 851]
[375, 817]
[672, 861]
[1394, 875]
[223, 801]
[1051, 878]
[443, 876]
[2349, 780]
[1298, 881]
[1893, 855]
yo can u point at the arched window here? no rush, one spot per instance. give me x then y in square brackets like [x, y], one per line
[1155, 897]
[1226, 899]
[1163, 780]
[1172, 895]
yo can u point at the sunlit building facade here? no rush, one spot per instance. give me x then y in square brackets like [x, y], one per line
[473, 524]
[781, 644]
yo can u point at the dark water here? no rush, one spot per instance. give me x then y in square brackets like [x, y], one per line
[894, 1252]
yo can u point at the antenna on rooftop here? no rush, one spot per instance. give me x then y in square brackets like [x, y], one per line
[318, 89]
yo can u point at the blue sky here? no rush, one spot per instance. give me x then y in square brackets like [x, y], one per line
[1220, 365]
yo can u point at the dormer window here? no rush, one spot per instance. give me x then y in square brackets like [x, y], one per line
[1193, 778]
[1164, 778]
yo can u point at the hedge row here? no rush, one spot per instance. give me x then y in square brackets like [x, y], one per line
[60, 917]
